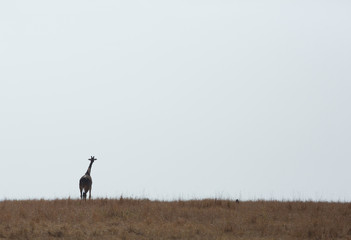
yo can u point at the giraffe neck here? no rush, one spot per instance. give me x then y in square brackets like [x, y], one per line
[89, 169]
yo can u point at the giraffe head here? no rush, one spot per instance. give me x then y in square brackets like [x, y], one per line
[92, 159]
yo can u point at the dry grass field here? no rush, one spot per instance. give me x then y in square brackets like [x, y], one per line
[195, 219]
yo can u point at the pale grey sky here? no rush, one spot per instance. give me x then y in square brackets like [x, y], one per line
[176, 99]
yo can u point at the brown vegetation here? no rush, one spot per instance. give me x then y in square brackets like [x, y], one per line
[195, 219]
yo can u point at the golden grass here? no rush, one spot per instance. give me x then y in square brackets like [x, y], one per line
[195, 219]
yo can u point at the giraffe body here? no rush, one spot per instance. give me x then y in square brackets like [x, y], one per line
[86, 182]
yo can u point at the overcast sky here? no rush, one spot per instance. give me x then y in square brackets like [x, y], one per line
[176, 99]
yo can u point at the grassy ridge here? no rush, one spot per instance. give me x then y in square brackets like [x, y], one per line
[195, 219]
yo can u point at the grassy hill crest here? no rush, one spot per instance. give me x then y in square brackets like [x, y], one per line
[127, 218]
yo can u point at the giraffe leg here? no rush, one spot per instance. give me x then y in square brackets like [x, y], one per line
[90, 193]
[81, 193]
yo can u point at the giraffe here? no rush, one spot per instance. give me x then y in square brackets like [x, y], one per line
[86, 181]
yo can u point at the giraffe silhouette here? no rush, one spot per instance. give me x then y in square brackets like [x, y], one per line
[86, 181]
